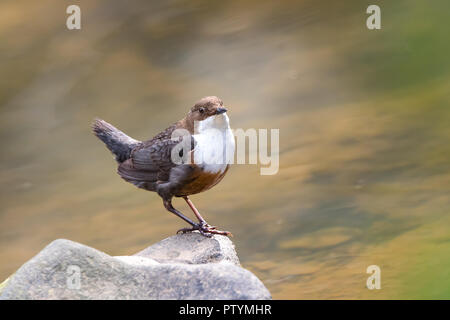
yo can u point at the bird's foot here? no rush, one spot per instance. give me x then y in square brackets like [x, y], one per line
[206, 230]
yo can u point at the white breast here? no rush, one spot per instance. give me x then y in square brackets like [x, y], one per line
[215, 145]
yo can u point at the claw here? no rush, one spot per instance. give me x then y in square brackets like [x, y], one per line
[205, 230]
[185, 230]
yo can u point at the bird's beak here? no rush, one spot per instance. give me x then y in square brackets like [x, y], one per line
[221, 110]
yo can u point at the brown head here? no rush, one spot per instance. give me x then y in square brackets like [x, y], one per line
[203, 109]
[206, 107]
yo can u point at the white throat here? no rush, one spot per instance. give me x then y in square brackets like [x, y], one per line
[220, 122]
[214, 149]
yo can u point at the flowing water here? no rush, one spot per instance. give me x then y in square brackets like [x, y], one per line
[364, 121]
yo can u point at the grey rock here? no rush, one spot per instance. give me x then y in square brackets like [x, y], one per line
[162, 271]
[192, 248]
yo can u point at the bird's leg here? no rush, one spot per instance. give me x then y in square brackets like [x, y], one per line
[194, 209]
[204, 227]
[195, 226]
[169, 207]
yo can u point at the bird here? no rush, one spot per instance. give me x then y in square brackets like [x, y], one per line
[203, 134]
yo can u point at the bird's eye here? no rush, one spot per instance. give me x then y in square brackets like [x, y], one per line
[201, 110]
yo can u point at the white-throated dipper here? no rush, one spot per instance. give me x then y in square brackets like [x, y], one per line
[149, 165]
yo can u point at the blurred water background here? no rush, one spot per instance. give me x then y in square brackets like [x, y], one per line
[364, 121]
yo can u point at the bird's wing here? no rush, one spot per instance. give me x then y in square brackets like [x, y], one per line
[154, 160]
[141, 178]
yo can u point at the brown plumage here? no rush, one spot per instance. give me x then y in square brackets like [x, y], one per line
[149, 165]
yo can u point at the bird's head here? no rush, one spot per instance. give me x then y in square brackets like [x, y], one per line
[208, 113]
[207, 107]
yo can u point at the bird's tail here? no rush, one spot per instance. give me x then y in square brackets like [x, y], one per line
[117, 142]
